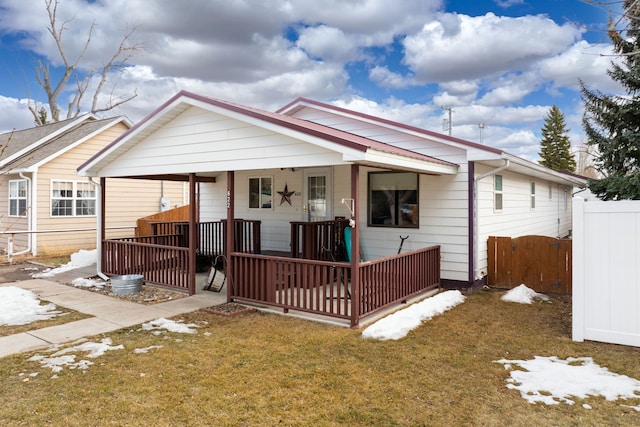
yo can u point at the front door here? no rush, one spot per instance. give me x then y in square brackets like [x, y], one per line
[317, 193]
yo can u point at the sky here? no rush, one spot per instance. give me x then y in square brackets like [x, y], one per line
[546, 380]
[497, 65]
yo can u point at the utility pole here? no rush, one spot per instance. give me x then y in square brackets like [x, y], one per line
[447, 123]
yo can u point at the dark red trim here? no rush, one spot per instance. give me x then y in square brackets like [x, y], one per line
[471, 171]
[390, 123]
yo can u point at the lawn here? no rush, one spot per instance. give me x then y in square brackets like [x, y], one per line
[259, 369]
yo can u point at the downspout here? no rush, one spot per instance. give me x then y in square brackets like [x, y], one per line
[476, 243]
[99, 230]
[30, 216]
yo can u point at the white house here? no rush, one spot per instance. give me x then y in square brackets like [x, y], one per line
[312, 161]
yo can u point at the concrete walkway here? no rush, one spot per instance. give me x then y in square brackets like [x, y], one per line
[109, 314]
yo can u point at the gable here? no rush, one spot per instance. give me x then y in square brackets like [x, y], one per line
[200, 141]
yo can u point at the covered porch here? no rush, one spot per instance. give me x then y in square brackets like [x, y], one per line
[314, 277]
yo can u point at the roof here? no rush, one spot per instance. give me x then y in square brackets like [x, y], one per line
[29, 148]
[372, 152]
[481, 153]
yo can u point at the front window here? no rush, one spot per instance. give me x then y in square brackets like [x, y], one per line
[72, 198]
[18, 197]
[260, 193]
[393, 199]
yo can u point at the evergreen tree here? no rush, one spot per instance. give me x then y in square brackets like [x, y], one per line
[555, 145]
[612, 122]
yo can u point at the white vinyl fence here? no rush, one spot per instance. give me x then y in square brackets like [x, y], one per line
[606, 271]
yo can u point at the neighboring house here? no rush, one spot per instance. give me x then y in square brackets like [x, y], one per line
[313, 162]
[45, 196]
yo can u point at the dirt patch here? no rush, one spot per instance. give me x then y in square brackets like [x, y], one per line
[228, 309]
[21, 271]
[148, 294]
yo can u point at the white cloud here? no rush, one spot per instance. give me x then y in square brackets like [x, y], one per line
[477, 47]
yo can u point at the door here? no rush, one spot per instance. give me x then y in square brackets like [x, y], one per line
[317, 193]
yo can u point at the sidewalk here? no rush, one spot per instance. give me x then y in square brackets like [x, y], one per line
[109, 313]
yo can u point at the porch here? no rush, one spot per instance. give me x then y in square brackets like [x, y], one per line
[315, 278]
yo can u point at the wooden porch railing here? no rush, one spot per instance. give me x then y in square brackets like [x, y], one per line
[212, 235]
[159, 264]
[324, 288]
[310, 286]
[163, 259]
[394, 279]
[319, 240]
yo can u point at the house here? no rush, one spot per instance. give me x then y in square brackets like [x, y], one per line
[47, 208]
[295, 177]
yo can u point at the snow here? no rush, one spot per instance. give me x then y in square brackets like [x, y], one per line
[20, 307]
[88, 283]
[170, 325]
[523, 295]
[82, 258]
[552, 381]
[400, 323]
[61, 358]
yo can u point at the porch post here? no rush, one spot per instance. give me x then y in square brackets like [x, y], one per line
[103, 223]
[193, 233]
[355, 246]
[230, 233]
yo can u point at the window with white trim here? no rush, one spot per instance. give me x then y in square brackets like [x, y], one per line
[497, 193]
[533, 195]
[72, 198]
[260, 193]
[18, 197]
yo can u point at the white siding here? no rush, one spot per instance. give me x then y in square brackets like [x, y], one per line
[551, 216]
[443, 199]
[202, 141]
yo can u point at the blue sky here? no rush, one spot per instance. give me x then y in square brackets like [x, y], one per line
[502, 63]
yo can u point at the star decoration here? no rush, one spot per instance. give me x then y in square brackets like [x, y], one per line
[286, 195]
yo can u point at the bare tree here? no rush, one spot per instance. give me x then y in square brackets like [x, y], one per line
[126, 50]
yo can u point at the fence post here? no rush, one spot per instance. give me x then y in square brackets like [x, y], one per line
[10, 249]
[578, 259]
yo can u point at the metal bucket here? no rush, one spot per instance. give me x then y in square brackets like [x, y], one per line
[127, 284]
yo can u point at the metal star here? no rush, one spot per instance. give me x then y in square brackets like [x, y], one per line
[286, 195]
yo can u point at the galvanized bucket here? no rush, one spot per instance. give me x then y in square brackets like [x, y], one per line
[127, 284]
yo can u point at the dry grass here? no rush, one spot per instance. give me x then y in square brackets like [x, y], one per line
[258, 369]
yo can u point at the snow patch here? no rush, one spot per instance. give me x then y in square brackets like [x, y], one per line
[170, 325]
[523, 295]
[20, 307]
[400, 323]
[551, 380]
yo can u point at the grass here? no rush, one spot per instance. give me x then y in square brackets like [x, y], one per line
[259, 369]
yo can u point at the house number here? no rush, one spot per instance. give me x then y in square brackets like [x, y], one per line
[228, 199]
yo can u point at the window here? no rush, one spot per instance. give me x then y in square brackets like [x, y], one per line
[260, 193]
[393, 199]
[72, 198]
[497, 192]
[18, 197]
[533, 195]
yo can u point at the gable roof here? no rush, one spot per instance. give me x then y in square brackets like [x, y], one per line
[476, 152]
[354, 148]
[30, 148]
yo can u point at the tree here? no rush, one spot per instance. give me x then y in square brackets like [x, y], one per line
[612, 122]
[73, 70]
[555, 145]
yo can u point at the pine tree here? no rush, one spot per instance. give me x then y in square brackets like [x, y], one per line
[555, 144]
[612, 122]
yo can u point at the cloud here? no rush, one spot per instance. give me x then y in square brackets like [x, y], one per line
[15, 114]
[478, 47]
